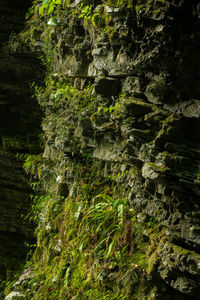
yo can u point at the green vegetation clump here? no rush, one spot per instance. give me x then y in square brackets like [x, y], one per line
[92, 13]
[61, 92]
[89, 246]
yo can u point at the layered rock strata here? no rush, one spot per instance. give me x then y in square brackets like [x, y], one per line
[139, 130]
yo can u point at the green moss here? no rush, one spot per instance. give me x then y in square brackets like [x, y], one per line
[169, 120]
[95, 233]
[133, 171]
[182, 251]
[151, 8]
[159, 168]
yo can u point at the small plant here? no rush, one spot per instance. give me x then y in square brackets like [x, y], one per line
[47, 7]
[33, 164]
[105, 218]
[86, 11]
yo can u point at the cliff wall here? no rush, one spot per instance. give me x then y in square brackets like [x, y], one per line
[20, 119]
[118, 208]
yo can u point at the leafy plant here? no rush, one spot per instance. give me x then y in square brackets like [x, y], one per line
[104, 218]
[49, 6]
[33, 164]
[85, 12]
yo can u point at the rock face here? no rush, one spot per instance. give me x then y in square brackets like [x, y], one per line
[132, 134]
[19, 129]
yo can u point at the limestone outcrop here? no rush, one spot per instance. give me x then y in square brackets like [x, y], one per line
[120, 174]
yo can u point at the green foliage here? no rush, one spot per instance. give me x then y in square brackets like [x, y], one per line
[29, 256]
[88, 244]
[2, 286]
[97, 237]
[158, 167]
[151, 222]
[86, 11]
[32, 164]
[151, 8]
[105, 217]
[95, 17]
[29, 13]
[119, 175]
[97, 234]
[63, 94]
[51, 7]
[47, 7]
[39, 202]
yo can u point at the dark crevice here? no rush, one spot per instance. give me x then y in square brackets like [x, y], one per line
[20, 119]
